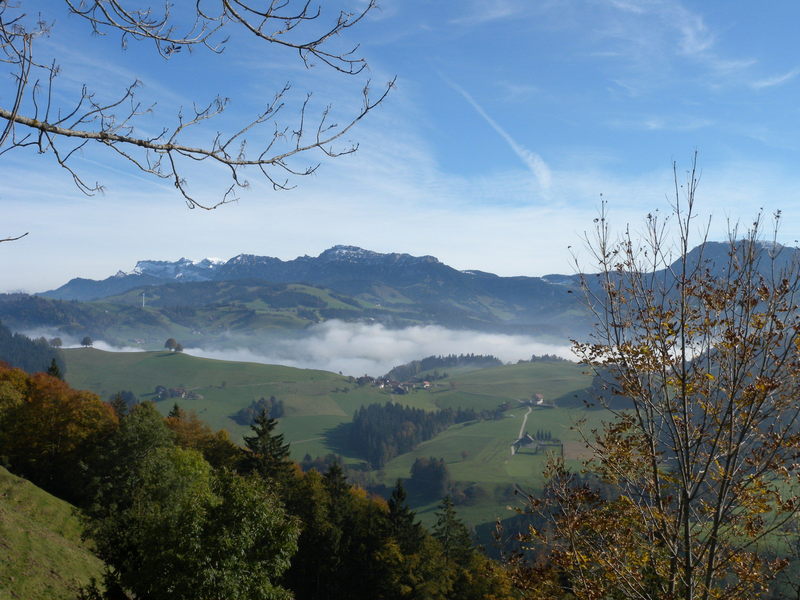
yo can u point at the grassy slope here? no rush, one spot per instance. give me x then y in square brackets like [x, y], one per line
[316, 402]
[488, 462]
[41, 553]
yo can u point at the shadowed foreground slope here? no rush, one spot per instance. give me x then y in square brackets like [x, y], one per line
[41, 552]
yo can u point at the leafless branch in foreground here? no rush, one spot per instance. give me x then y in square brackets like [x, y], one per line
[14, 239]
[32, 118]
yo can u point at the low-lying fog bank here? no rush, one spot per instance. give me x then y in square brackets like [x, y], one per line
[372, 349]
[361, 348]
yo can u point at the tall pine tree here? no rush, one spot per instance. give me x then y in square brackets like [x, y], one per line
[452, 534]
[54, 370]
[268, 454]
[402, 521]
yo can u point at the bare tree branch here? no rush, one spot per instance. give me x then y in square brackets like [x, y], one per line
[698, 347]
[14, 239]
[32, 120]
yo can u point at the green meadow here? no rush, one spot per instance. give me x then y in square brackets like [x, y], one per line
[318, 403]
[315, 401]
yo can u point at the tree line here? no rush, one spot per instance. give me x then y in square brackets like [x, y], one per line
[409, 371]
[380, 432]
[271, 406]
[28, 354]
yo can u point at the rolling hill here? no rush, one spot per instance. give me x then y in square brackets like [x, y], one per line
[319, 407]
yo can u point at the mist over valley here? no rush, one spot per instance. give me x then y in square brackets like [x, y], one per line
[373, 349]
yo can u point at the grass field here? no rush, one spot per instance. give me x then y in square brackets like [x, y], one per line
[557, 381]
[42, 556]
[317, 402]
[314, 400]
[479, 454]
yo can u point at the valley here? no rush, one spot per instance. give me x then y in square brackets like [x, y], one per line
[319, 406]
[487, 438]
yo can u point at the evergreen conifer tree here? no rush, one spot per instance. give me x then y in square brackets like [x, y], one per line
[402, 524]
[119, 405]
[452, 534]
[336, 481]
[268, 454]
[54, 370]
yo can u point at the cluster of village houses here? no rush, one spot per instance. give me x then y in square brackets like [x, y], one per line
[394, 386]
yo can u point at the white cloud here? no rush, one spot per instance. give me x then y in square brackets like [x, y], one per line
[513, 91]
[359, 348]
[103, 345]
[663, 41]
[530, 159]
[478, 13]
[776, 80]
[663, 123]
[695, 37]
[71, 341]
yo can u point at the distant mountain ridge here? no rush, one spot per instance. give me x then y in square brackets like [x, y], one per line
[183, 268]
[332, 264]
[259, 296]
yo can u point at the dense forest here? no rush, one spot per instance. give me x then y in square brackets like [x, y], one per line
[382, 431]
[29, 355]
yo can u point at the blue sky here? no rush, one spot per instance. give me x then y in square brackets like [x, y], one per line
[509, 120]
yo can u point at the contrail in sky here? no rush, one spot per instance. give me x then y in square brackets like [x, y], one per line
[533, 161]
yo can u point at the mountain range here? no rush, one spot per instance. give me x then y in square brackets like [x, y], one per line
[261, 295]
[251, 295]
[346, 269]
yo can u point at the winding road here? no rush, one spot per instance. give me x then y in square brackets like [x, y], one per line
[522, 427]
[524, 422]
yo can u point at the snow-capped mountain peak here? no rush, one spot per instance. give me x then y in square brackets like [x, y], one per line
[354, 254]
[184, 269]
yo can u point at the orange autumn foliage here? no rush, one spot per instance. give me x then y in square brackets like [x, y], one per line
[51, 427]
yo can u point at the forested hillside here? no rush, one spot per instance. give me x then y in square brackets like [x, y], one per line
[179, 512]
[29, 355]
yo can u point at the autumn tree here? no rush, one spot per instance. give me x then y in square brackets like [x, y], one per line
[190, 432]
[43, 112]
[699, 465]
[13, 387]
[50, 429]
